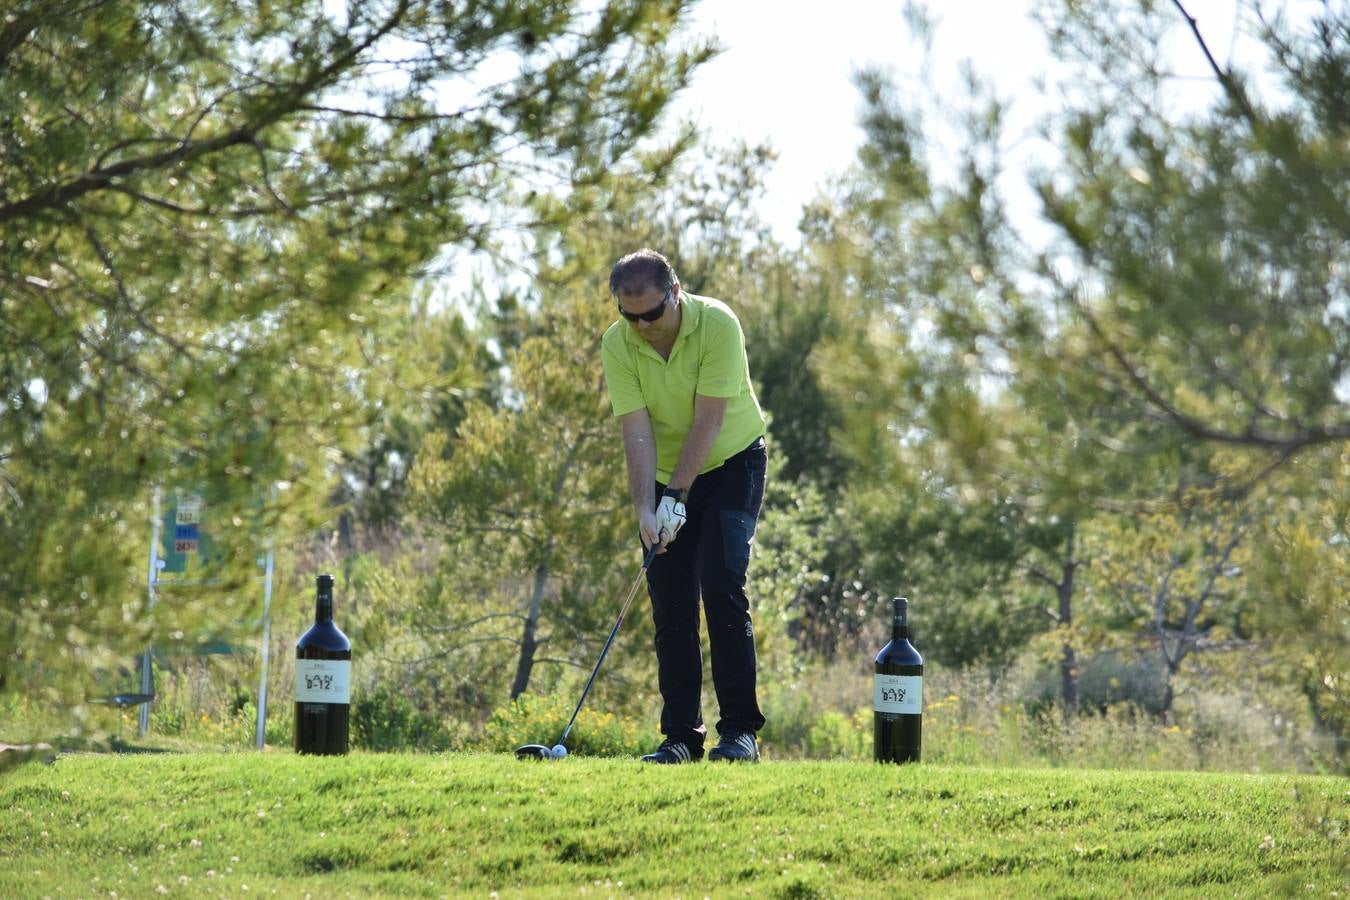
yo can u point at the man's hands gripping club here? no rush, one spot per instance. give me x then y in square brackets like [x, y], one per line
[660, 526]
[670, 514]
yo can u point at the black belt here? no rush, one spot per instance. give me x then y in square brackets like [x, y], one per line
[756, 444]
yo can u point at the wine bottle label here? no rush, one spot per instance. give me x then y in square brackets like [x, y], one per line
[323, 681]
[898, 694]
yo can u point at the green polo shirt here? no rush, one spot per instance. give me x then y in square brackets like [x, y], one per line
[708, 358]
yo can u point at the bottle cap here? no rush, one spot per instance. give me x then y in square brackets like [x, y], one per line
[325, 582]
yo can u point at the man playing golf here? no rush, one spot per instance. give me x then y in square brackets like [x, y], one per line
[693, 437]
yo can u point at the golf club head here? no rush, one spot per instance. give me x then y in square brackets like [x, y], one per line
[534, 751]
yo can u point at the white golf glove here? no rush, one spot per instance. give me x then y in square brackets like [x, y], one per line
[670, 514]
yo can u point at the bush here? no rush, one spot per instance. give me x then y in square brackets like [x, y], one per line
[279, 730]
[837, 736]
[789, 716]
[532, 719]
[1105, 680]
[385, 721]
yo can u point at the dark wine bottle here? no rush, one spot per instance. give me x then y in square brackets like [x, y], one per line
[323, 681]
[897, 694]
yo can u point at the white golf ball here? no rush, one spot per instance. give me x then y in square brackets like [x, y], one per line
[559, 751]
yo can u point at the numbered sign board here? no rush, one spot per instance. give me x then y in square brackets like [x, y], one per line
[184, 545]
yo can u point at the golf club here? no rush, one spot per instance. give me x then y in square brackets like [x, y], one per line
[559, 750]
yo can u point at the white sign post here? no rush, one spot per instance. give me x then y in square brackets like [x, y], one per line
[152, 576]
[260, 732]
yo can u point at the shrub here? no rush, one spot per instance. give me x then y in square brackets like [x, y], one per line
[835, 735]
[532, 719]
[382, 720]
[789, 714]
[1104, 680]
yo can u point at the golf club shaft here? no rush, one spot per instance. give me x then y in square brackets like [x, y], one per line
[632, 592]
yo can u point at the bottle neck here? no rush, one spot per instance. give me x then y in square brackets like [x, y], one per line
[900, 623]
[323, 607]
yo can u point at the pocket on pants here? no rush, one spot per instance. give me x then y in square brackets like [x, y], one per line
[738, 533]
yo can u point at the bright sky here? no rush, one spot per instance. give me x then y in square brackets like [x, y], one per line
[786, 74]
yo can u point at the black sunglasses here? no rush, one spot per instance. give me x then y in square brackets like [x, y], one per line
[650, 315]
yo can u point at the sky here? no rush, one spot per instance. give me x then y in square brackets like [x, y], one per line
[786, 74]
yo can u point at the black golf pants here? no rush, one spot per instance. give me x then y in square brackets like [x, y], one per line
[709, 557]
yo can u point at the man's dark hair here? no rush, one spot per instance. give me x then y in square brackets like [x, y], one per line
[637, 272]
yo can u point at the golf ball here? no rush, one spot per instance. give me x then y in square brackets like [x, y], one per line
[559, 751]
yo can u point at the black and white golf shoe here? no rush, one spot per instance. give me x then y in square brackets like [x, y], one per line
[673, 753]
[736, 746]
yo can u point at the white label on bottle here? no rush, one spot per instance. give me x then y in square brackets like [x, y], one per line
[323, 681]
[898, 694]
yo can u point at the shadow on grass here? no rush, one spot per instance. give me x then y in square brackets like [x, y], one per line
[104, 745]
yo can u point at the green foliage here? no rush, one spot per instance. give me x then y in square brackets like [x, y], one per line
[1226, 717]
[210, 217]
[1304, 578]
[798, 726]
[530, 501]
[540, 719]
[442, 361]
[381, 824]
[1218, 240]
[383, 719]
[1108, 679]
[963, 565]
[1178, 333]
[788, 568]
[1185, 298]
[1178, 576]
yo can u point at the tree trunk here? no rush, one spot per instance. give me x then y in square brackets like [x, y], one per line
[525, 663]
[528, 640]
[1068, 681]
[345, 545]
[1166, 712]
[1068, 666]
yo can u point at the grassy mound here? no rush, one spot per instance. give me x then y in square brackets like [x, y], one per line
[464, 824]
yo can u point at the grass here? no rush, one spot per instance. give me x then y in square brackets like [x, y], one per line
[241, 824]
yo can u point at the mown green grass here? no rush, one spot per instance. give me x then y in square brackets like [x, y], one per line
[464, 824]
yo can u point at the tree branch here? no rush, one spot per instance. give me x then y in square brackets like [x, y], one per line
[1230, 87]
[100, 176]
[17, 30]
[1035, 573]
[187, 149]
[1304, 436]
[1160, 607]
[461, 626]
[106, 258]
[1195, 605]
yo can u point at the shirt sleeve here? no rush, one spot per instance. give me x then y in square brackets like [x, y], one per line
[722, 364]
[621, 378]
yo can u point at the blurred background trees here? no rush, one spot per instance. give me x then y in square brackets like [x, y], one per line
[213, 218]
[1103, 443]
